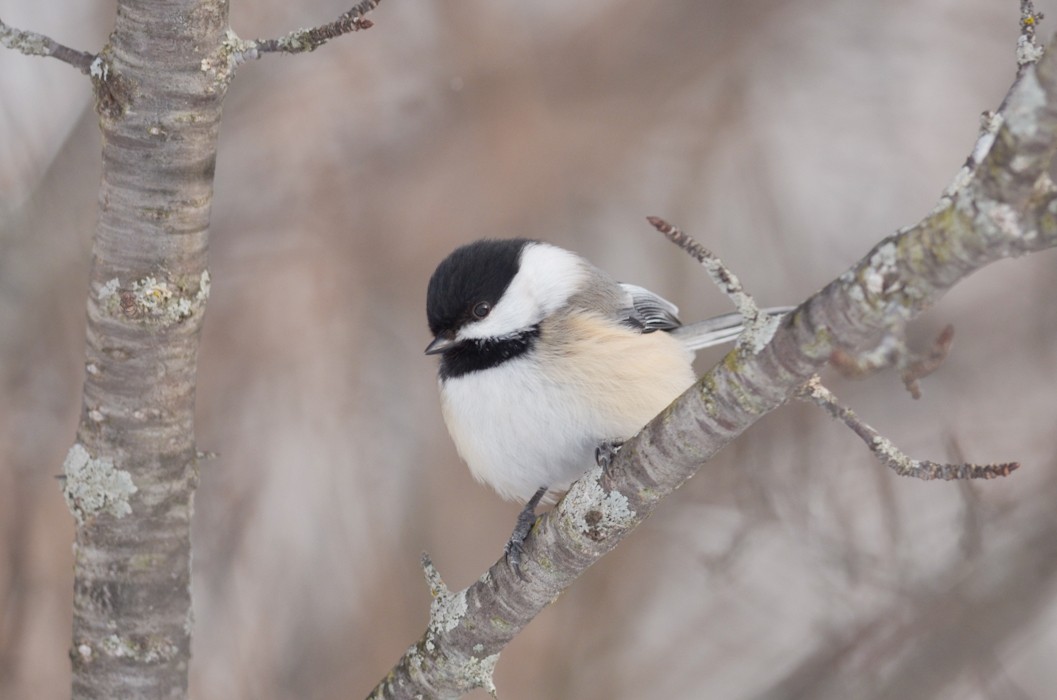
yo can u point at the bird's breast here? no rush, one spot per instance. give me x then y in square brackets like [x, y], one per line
[535, 420]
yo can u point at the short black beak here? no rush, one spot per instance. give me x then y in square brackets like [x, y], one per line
[441, 343]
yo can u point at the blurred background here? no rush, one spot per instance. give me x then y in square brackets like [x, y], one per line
[788, 136]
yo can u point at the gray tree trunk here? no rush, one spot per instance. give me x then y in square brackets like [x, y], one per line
[131, 476]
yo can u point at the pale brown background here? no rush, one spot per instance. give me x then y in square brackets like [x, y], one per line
[789, 136]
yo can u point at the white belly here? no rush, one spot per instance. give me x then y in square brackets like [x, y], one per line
[520, 428]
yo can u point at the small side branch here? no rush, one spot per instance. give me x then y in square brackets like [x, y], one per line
[892, 351]
[1028, 54]
[1028, 49]
[726, 280]
[888, 453]
[920, 366]
[304, 40]
[759, 326]
[34, 44]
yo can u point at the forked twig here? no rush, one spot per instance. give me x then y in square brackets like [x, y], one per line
[886, 451]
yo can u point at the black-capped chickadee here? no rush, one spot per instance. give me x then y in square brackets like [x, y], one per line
[545, 359]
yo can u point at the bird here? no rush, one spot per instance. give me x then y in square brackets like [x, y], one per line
[548, 364]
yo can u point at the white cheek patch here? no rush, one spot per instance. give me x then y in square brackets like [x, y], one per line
[547, 277]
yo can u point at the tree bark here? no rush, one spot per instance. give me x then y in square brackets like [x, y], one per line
[132, 474]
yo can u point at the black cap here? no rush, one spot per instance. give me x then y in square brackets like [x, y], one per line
[476, 272]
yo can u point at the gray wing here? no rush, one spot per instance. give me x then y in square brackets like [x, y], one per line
[649, 311]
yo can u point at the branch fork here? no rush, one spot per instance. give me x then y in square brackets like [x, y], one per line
[759, 325]
[890, 351]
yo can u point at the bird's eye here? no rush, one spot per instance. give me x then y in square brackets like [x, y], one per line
[482, 309]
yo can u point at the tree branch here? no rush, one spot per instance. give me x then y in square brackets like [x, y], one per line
[1000, 205]
[303, 40]
[34, 44]
[886, 451]
[759, 326]
[892, 351]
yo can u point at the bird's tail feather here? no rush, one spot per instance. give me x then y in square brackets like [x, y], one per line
[718, 330]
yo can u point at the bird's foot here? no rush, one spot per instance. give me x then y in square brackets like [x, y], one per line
[607, 451]
[515, 546]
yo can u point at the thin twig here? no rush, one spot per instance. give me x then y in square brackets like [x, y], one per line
[759, 327]
[1028, 49]
[726, 280]
[1028, 53]
[34, 44]
[891, 351]
[304, 40]
[888, 453]
[922, 366]
[433, 580]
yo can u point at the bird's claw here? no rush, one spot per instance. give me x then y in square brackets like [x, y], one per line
[607, 452]
[515, 546]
